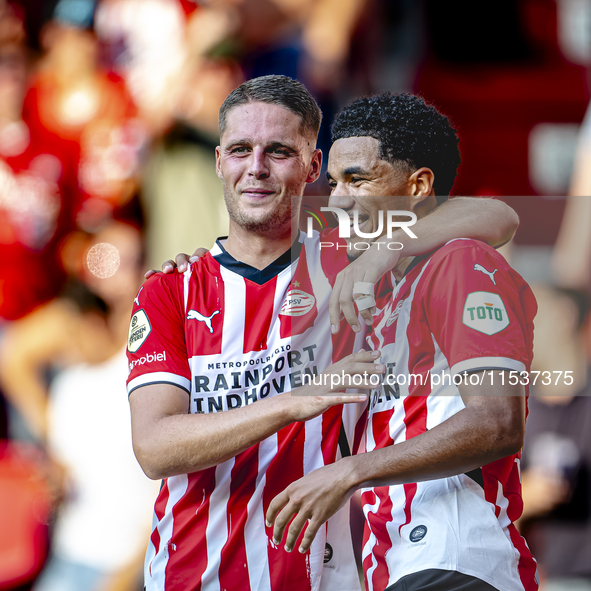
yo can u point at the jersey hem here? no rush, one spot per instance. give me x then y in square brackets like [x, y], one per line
[482, 363]
[159, 377]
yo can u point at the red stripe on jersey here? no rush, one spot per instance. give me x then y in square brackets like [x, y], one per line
[233, 572]
[367, 498]
[258, 314]
[287, 571]
[206, 301]
[343, 342]
[421, 359]
[331, 429]
[415, 419]
[295, 322]
[358, 438]
[187, 562]
[159, 510]
[506, 472]
[526, 565]
[379, 521]
[491, 486]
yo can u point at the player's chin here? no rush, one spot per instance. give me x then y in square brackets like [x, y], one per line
[356, 247]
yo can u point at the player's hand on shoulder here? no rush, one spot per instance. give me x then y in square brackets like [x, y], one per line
[357, 371]
[180, 262]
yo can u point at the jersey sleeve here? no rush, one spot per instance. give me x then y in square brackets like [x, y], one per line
[480, 310]
[156, 349]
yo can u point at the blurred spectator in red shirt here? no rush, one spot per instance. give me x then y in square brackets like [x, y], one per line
[37, 189]
[71, 96]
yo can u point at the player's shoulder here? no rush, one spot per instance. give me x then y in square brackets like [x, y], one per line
[464, 251]
[466, 246]
[197, 272]
[162, 282]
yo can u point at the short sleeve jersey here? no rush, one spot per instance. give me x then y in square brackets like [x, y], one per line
[230, 336]
[458, 311]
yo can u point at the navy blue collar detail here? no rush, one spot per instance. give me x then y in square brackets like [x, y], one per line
[258, 276]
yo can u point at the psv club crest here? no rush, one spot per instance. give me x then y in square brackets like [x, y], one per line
[297, 303]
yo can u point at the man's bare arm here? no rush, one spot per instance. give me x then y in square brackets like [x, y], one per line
[489, 220]
[480, 218]
[169, 441]
[491, 426]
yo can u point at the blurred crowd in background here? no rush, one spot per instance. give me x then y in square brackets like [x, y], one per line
[108, 124]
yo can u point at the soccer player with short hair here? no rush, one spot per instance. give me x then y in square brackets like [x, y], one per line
[440, 482]
[213, 362]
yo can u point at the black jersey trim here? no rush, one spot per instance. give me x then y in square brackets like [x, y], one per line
[344, 442]
[259, 276]
[418, 260]
[158, 382]
[476, 476]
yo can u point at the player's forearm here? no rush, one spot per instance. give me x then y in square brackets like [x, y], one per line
[185, 443]
[467, 440]
[167, 440]
[489, 220]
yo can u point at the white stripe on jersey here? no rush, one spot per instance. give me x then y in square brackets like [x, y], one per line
[177, 487]
[371, 540]
[254, 532]
[234, 314]
[216, 532]
[312, 461]
[186, 278]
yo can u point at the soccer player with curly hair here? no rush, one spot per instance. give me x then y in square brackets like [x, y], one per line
[440, 482]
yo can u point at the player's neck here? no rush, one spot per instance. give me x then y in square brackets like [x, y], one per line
[257, 250]
[401, 267]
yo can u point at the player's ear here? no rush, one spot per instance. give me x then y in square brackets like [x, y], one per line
[218, 169]
[421, 183]
[315, 166]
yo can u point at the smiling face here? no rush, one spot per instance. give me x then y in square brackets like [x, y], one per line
[361, 181]
[264, 162]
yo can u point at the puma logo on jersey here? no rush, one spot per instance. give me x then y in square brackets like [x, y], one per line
[394, 316]
[136, 300]
[194, 315]
[478, 267]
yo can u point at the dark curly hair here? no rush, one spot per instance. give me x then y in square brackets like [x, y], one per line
[409, 131]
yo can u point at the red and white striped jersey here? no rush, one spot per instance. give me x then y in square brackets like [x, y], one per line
[462, 309]
[230, 335]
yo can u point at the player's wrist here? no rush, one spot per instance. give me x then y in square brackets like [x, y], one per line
[353, 475]
[292, 409]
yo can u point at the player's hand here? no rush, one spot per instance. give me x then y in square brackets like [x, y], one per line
[181, 262]
[311, 400]
[368, 268]
[310, 500]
